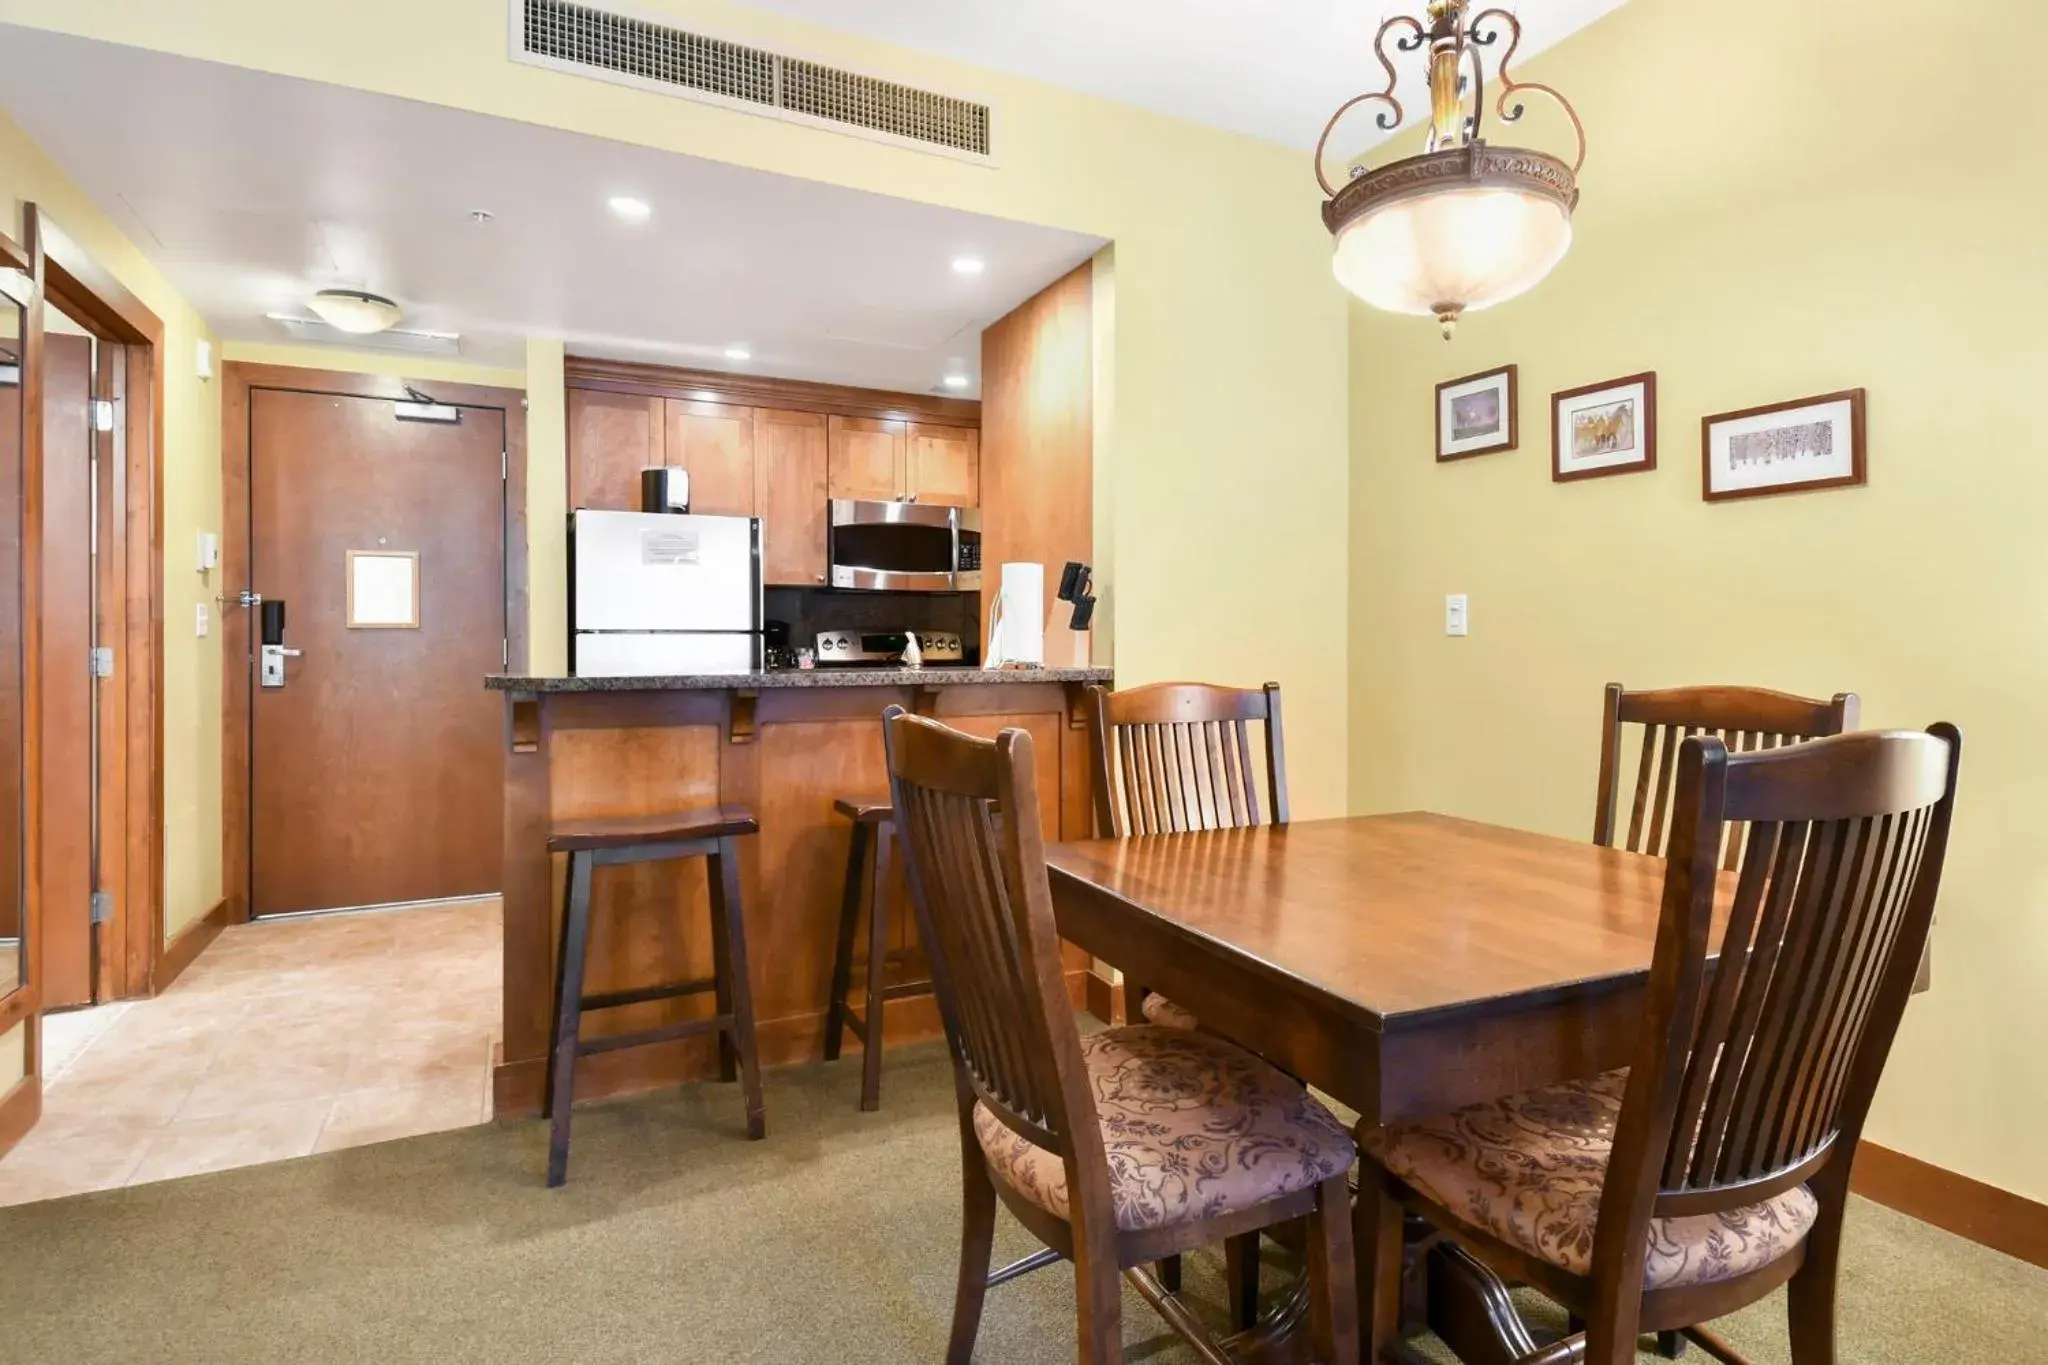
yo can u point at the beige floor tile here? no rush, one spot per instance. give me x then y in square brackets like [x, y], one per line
[382, 1063]
[153, 1095]
[247, 1137]
[228, 1089]
[393, 1112]
[73, 1154]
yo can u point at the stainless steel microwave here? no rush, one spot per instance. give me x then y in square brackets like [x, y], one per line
[905, 546]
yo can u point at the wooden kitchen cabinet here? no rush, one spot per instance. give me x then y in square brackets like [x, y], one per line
[612, 437]
[715, 443]
[790, 481]
[866, 459]
[943, 465]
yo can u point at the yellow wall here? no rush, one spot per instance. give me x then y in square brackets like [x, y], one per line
[1229, 475]
[1739, 237]
[421, 368]
[191, 504]
[547, 509]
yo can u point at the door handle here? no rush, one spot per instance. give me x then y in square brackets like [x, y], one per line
[270, 664]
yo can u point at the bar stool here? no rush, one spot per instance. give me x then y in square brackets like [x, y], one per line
[873, 822]
[707, 834]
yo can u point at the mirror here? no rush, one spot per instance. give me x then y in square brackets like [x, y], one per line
[13, 899]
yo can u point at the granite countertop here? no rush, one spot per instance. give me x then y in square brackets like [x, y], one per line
[800, 677]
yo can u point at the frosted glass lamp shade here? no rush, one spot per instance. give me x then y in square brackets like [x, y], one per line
[351, 310]
[1452, 250]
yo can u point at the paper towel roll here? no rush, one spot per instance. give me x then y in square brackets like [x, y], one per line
[1018, 635]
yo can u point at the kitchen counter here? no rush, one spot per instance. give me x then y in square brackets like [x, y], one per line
[932, 676]
[785, 745]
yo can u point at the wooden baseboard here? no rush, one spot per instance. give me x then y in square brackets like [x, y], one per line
[188, 945]
[517, 1086]
[1985, 1214]
[19, 1110]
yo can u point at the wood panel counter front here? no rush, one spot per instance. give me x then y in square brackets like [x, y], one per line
[785, 745]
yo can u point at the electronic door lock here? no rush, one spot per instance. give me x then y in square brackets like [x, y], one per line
[270, 659]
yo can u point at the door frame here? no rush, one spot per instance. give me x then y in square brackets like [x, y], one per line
[22, 1105]
[240, 379]
[131, 594]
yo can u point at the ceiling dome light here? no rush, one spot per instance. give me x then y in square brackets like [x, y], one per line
[351, 310]
[955, 381]
[1464, 225]
[968, 265]
[738, 353]
[630, 209]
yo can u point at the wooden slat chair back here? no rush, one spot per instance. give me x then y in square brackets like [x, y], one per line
[984, 906]
[1171, 757]
[1757, 1076]
[1746, 719]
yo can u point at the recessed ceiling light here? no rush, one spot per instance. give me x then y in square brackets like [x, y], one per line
[968, 265]
[631, 209]
[351, 310]
[955, 381]
[481, 216]
[738, 353]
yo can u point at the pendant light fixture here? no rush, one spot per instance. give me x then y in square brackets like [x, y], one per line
[351, 310]
[1465, 224]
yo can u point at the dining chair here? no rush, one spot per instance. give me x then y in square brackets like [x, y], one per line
[1115, 1149]
[1716, 1167]
[1747, 719]
[1171, 757]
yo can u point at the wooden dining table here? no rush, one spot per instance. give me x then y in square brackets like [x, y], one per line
[1404, 964]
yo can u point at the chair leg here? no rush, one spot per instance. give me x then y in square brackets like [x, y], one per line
[1169, 1274]
[563, 1044]
[878, 968]
[735, 988]
[1810, 1294]
[842, 960]
[1241, 1276]
[1333, 1275]
[977, 1239]
[1376, 1239]
[1099, 1301]
[1671, 1345]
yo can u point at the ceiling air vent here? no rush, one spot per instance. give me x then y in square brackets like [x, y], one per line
[609, 45]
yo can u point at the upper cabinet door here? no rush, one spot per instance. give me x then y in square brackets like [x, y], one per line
[867, 458]
[612, 437]
[715, 443]
[789, 495]
[944, 465]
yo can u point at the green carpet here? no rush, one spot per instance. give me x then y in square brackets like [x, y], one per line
[676, 1240]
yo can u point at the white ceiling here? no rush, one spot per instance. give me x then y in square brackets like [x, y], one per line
[251, 190]
[1275, 69]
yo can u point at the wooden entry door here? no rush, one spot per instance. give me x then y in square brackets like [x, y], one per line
[68, 721]
[376, 772]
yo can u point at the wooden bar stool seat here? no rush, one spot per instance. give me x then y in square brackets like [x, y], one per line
[873, 824]
[708, 833]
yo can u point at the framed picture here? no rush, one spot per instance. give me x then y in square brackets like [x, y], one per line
[1476, 415]
[1783, 448]
[1606, 428]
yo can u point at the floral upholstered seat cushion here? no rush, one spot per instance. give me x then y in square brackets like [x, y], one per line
[1529, 1170]
[1157, 1009]
[1193, 1126]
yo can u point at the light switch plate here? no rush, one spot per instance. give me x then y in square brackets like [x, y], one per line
[205, 622]
[1457, 620]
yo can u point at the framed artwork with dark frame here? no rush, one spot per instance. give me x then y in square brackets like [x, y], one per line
[1791, 447]
[1476, 415]
[1604, 428]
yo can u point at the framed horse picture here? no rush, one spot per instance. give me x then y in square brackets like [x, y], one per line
[1604, 428]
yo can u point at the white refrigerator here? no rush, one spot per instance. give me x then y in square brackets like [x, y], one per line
[652, 594]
